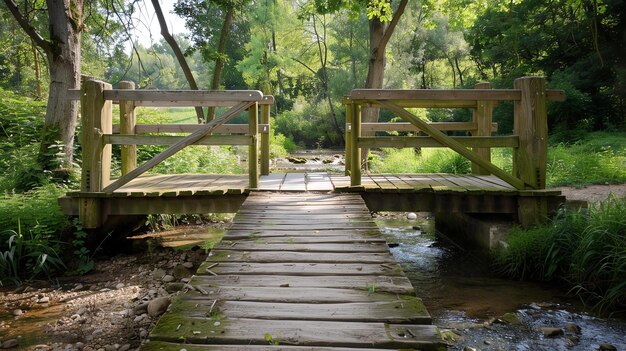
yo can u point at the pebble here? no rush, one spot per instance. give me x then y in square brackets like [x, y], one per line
[551, 332]
[138, 318]
[124, 347]
[78, 287]
[18, 312]
[188, 265]
[9, 344]
[572, 328]
[411, 216]
[158, 273]
[468, 348]
[44, 299]
[97, 332]
[119, 286]
[79, 345]
[168, 278]
[143, 333]
[157, 306]
[607, 347]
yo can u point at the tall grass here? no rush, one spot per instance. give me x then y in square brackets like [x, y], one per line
[586, 249]
[429, 160]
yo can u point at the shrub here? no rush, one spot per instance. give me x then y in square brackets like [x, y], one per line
[585, 249]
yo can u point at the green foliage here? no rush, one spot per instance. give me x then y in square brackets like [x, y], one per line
[29, 254]
[308, 125]
[598, 158]
[427, 160]
[21, 121]
[586, 249]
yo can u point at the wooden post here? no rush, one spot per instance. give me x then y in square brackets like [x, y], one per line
[482, 116]
[128, 121]
[348, 154]
[265, 140]
[531, 126]
[96, 119]
[253, 149]
[355, 163]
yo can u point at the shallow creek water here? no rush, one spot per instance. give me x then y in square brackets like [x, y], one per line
[463, 296]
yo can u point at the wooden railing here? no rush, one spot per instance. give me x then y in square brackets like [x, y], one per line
[529, 139]
[98, 132]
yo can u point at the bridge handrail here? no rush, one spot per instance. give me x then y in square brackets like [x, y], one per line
[98, 133]
[529, 139]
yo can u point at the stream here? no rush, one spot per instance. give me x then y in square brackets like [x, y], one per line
[464, 297]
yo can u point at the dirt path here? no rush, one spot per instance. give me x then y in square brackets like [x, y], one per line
[593, 193]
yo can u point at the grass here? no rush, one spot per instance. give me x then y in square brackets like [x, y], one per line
[599, 158]
[585, 249]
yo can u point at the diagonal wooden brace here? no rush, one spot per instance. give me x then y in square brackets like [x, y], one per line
[453, 144]
[190, 139]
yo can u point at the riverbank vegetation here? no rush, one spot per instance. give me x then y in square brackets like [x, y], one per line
[308, 54]
[584, 249]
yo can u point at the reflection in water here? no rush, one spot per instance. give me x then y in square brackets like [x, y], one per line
[462, 294]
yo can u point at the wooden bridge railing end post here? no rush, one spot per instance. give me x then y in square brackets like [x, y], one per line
[265, 140]
[348, 137]
[531, 126]
[482, 115]
[355, 163]
[253, 149]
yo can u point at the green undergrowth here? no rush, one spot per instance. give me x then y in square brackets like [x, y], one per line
[596, 158]
[584, 249]
[424, 160]
[31, 227]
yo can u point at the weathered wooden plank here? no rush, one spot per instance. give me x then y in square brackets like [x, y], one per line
[301, 269]
[261, 245]
[346, 216]
[196, 96]
[114, 139]
[319, 181]
[293, 182]
[408, 127]
[190, 128]
[171, 346]
[304, 333]
[292, 256]
[292, 295]
[317, 238]
[356, 234]
[271, 182]
[424, 141]
[390, 284]
[407, 311]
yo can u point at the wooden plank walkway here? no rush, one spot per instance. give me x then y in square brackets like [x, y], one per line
[213, 184]
[298, 272]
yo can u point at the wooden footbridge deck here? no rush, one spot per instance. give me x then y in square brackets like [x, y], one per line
[308, 271]
[298, 272]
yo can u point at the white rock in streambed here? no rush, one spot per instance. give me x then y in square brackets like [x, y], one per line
[411, 216]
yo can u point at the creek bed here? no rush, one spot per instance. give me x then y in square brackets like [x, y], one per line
[463, 296]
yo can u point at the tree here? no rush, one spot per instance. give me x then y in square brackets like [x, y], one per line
[62, 50]
[180, 57]
[211, 39]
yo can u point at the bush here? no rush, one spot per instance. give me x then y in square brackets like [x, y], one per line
[585, 249]
[32, 225]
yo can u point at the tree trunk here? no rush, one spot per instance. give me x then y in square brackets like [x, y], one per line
[180, 57]
[379, 37]
[66, 24]
[37, 72]
[219, 61]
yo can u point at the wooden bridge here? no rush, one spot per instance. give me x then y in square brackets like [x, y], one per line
[309, 270]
